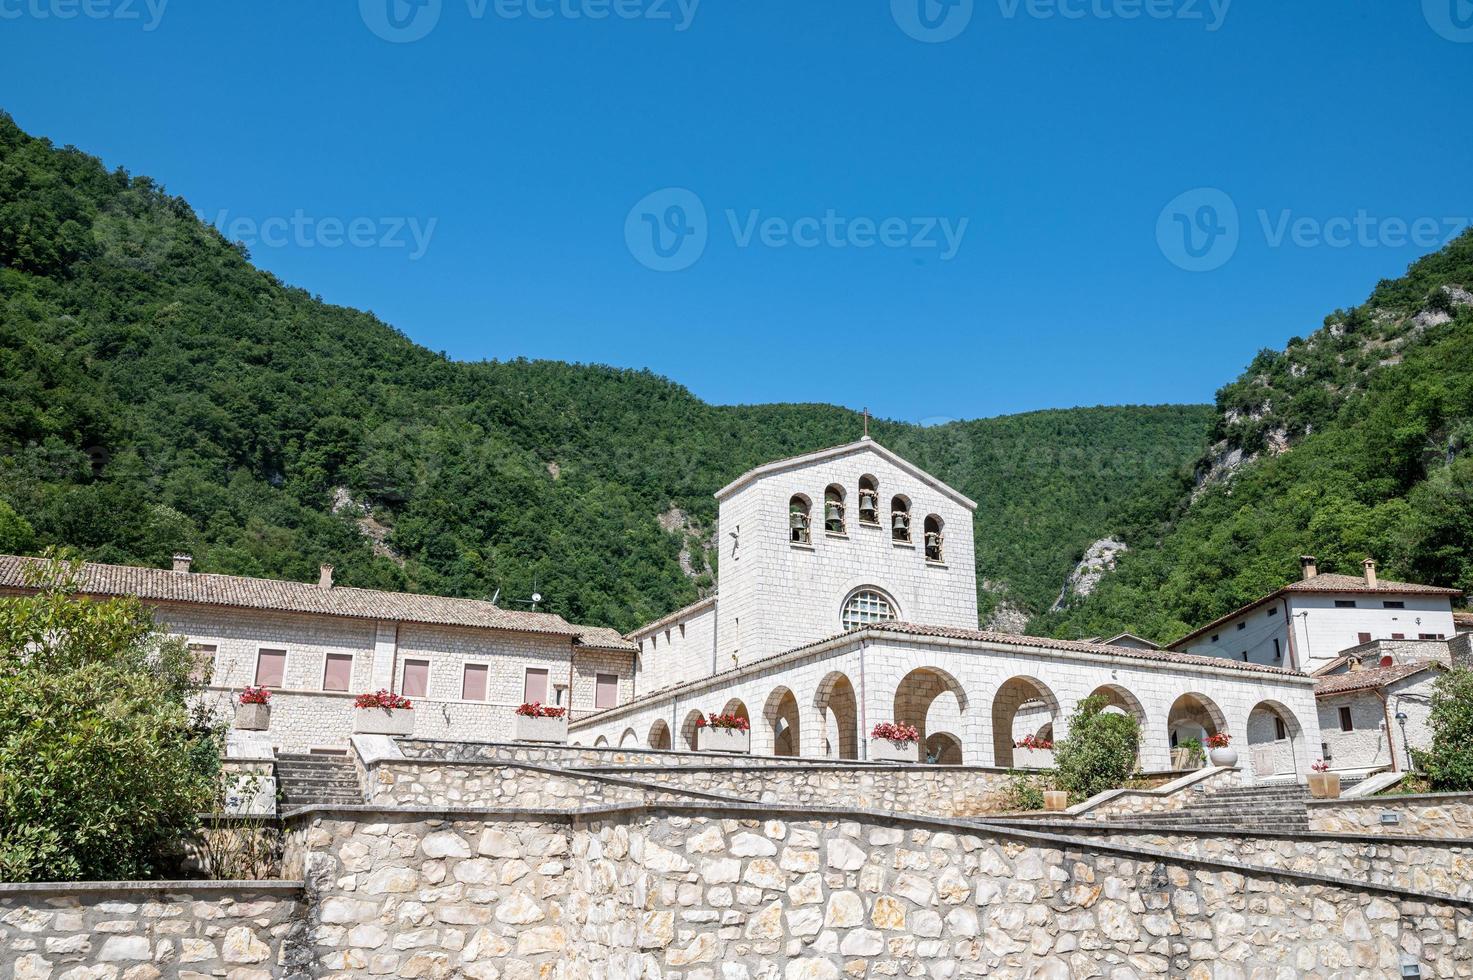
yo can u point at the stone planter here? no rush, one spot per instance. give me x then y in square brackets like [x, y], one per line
[553, 730]
[723, 740]
[1055, 801]
[1033, 758]
[884, 750]
[1227, 757]
[253, 717]
[1324, 785]
[383, 721]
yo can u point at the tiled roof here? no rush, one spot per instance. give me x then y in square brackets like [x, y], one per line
[603, 638]
[1322, 584]
[1370, 678]
[241, 592]
[862, 445]
[672, 618]
[1463, 620]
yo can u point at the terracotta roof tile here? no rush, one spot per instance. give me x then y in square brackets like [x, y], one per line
[672, 618]
[1370, 678]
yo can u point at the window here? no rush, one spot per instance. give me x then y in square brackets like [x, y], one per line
[1364, 637]
[1428, 636]
[1281, 731]
[416, 680]
[1347, 723]
[867, 606]
[606, 691]
[202, 662]
[1273, 611]
[1344, 603]
[798, 520]
[1215, 637]
[935, 540]
[1242, 626]
[534, 690]
[1398, 636]
[833, 509]
[337, 672]
[1245, 656]
[270, 668]
[900, 519]
[1278, 651]
[869, 500]
[1393, 604]
[1325, 751]
[473, 682]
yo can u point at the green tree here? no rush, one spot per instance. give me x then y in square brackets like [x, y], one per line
[1448, 763]
[1100, 752]
[103, 769]
[16, 535]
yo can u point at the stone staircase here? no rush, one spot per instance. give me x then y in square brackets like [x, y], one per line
[305, 780]
[1264, 807]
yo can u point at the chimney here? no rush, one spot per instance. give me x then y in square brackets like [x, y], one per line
[1370, 565]
[1308, 566]
[325, 580]
[182, 563]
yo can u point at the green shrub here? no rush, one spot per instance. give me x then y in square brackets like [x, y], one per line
[1100, 752]
[1448, 763]
[1024, 791]
[102, 767]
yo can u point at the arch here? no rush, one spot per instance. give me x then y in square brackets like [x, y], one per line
[900, 518]
[833, 509]
[629, 739]
[838, 712]
[935, 538]
[944, 749]
[800, 519]
[738, 707]
[1192, 716]
[1122, 700]
[1023, 706]
[781, 715]
[601, 742]
[689, 728]
[867, 604]
[1275, 741]
[916, 698]
[869, 500]
[659, 737]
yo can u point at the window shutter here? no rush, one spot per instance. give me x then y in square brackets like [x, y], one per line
[202, 658]
[473, 686]
[536, 689]
[270, 668]
[416, 679]
[607, 693]
[337, 675]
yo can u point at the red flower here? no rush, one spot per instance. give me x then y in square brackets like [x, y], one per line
[539, 710]
[383, 699]
[1219, 741]
[730, 723]
[255, 695]
[895, 732]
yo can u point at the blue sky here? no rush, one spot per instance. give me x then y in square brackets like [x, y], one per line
[519, 142]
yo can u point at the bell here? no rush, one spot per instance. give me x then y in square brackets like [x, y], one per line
[900, 521]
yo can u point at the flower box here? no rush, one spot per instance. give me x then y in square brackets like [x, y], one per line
[383, 721]
[543, 729]
[1024, 758]
[723, 740]
[888, 750]
[253, 717]
[1324, 785]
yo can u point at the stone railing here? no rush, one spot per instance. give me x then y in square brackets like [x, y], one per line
[421, 783]
[1431, 815]
[250, 930]
[581, 757]
[816, 895]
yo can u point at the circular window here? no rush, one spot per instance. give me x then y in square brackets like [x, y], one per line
[867, 606]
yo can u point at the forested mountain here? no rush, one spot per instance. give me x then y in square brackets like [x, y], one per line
[1352, 442]
[160, 394]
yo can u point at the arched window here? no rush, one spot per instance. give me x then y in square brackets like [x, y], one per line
[867, 606]
[869, 500]
[833, 509]
[798, 519]
[900, 519]
[935, 540]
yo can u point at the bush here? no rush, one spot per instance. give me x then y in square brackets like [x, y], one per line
[103, 769]
[1024, 791]
[1099, 753]
[1448, 763]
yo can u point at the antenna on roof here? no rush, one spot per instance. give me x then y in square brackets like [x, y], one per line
[496, 595]
[866, 422]
[536, 597]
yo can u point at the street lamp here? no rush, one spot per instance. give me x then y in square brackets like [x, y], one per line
[1401, 718]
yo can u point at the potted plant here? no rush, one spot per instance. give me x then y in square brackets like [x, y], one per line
[383, 713]
[894, 742]
[538, 722]
[1032, 752]
[1220, 750]
[723, 733]
[1055, 800]
[1324, 784]
[253, 712]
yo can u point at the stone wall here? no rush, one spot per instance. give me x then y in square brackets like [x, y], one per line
[128, 931]
[777, 891]
[1118, 804]
[582, 757]
[491, 785]
[1432, 815]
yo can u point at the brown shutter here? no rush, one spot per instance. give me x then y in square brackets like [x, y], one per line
[270, 668]
[473, 685]
[337, 674]
[535, 691]
[416, 679]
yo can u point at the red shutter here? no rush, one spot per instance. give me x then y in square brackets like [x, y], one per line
[270, 668]
[606, 693]
[473, 685]
[536, 689]
[416, 679]
[1365, 637]
[338, 674]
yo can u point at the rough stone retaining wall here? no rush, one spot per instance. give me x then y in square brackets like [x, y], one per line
[1434, 815]
[776, 891]
[144, 931]
[583, 757]
[1164, 799]
[486, 784]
